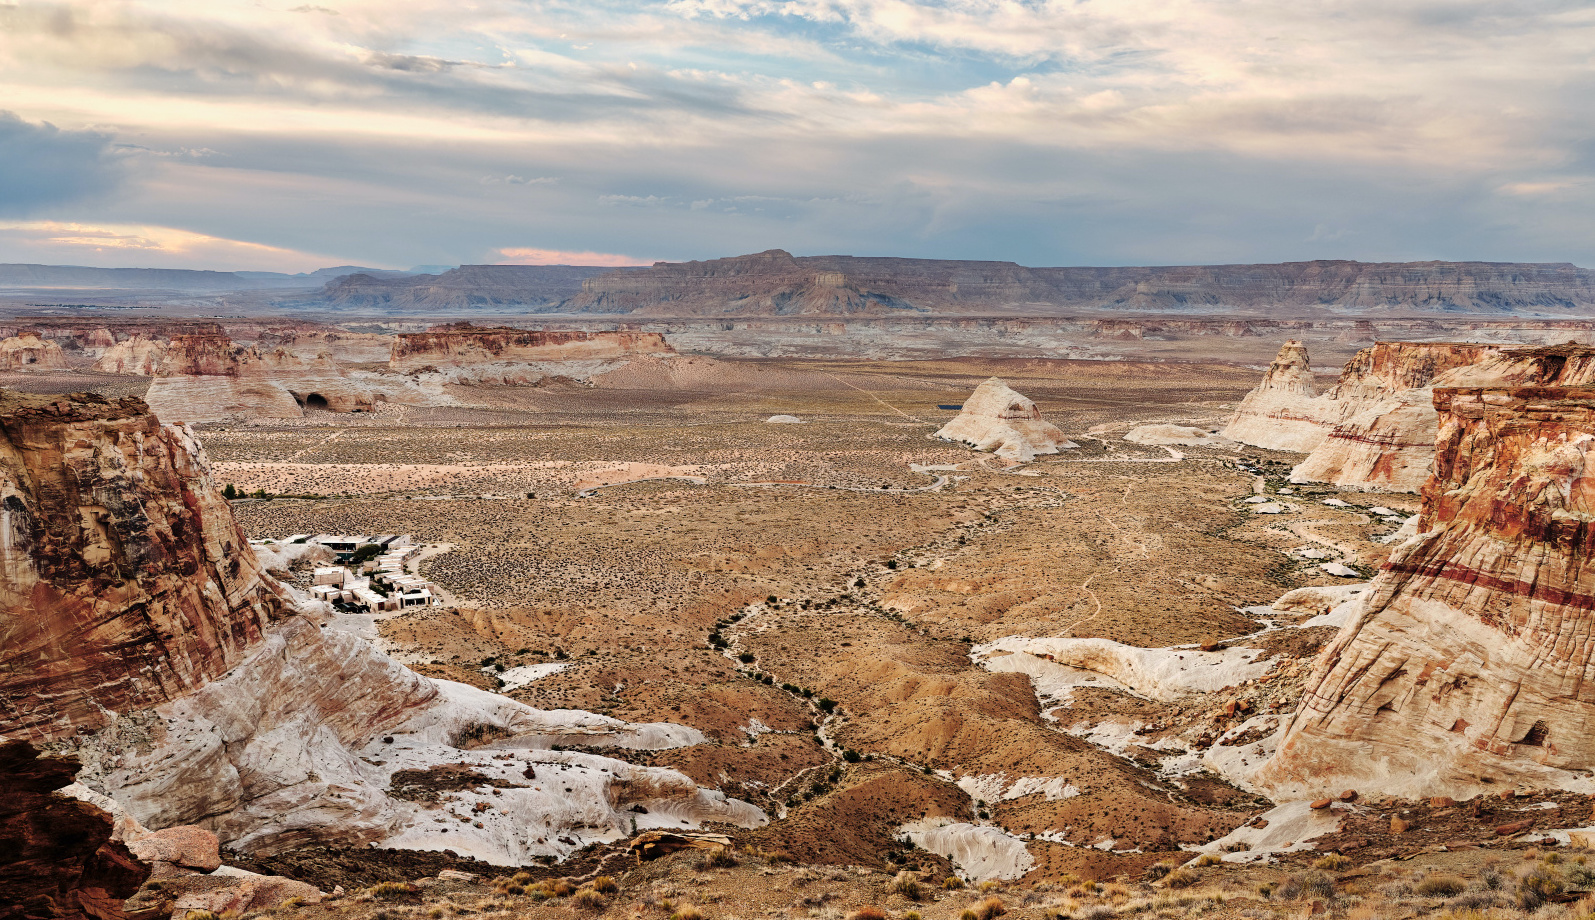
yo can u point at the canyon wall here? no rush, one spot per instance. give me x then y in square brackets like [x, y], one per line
[1280, 413]
[462, 344]
[124, 580]
[1466, 669]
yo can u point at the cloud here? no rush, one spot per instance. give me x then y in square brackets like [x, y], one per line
[524, 256]
[42, 166]
[131, 245]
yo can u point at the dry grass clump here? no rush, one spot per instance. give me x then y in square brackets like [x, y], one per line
[604, 885]
[718, 858]
[588, 899]
[953, 883]
[687, 912]
[1539, 886]
[1440, 885]
[867, 913]
[986, 910]
[1156, 871]
[1179, 878]
[907, 885]
[199, 915]
[393, 891]
[1332, 862]
[1208, 859]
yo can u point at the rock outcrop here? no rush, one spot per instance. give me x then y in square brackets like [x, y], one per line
[1465, 669]
[57, 858]
[29, 352]
[1280, 413]
[124, 580]
[999, 420]
[462, 345]
[1376, 427]
[465, 287]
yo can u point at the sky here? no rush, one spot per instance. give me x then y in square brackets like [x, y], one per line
[290, 136]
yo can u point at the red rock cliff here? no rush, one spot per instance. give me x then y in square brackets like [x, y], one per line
[124, 580]
[1467, 667]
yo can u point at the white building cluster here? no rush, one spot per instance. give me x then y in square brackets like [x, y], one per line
[373, 579]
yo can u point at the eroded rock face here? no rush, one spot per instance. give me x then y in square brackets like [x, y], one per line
[996, 418]
[1280, 414]
[1375, 428]
[463, 344]
[124, 580]
[59, 860]
[1465, 669]
[29, 352]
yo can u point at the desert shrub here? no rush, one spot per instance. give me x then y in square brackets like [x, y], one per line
[911, 915]
[718, 858]
[687, 912]
[1439, 885]
[588, 899]
[394, 891]
[603, 884]
[199, 915]
[968, 915]
[1491, 880]
[1318, 885]
[1537, 886]
[907, 885]
[867, 913]
[1116, 893]
[1265, 890]
[1180, 878]
[1580, 875]
[1209, 859]
[953, 883]
[1473, 902]
[989, 885]
[989, 909]
[1332, 862]
[1157, 871]
[1289, 888]
[1097, 912]
[522, 878]
[291, 903]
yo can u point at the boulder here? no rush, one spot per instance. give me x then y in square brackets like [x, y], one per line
[1176, 436]
[237, 891]
[186, 846]
[999, 420]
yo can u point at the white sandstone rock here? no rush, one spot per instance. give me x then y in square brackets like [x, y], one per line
[997, 419]
[1176, 436]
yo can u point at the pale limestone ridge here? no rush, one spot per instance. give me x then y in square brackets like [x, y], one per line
[995, 418]
[1280, 414]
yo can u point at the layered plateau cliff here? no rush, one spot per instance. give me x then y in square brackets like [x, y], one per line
[776, 283]
[1464, 668]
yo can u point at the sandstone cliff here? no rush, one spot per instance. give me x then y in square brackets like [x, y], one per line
[1465, 669]
[59, 858]
[463, 344]
[28, 351]
[124, 580]
[1280, 414]
[997, 419]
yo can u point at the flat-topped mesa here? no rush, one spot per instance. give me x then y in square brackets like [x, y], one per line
[1279, 414]
[29, 352]
[124, 580]
[995, 418]
[461, 344]
[1465, 669]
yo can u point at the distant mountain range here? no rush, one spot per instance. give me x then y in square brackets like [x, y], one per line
[24, 276]
[776, 283]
